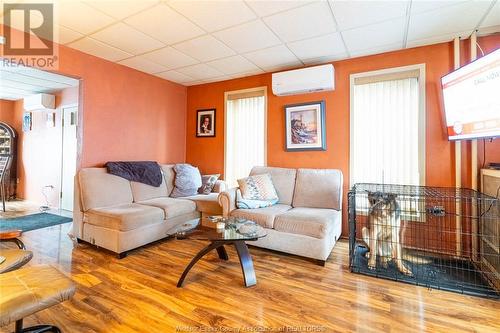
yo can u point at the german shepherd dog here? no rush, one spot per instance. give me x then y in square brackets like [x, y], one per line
[384, 232]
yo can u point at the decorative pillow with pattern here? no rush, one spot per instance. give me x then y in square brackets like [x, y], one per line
[208, 183]
[258, 187]
[242, 203]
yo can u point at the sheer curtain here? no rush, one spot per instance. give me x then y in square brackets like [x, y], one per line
[245, 137]
[385, 136]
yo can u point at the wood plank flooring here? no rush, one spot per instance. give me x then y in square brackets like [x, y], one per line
[139, 294]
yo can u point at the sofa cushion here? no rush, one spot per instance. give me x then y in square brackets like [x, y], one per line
[207, 203]
[283, 180]
[124, 217]
[208, 183]
[169, 175]
[187, 180]
[141, 192]
[318, 188]
[171, 206]
[263, 216]
[98, 188]
[313, 222]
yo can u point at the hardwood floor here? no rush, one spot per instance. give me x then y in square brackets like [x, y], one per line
[139, 294]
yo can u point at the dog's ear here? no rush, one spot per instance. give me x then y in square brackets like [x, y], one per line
[372, 197]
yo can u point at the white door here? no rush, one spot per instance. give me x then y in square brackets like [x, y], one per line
[69, 144]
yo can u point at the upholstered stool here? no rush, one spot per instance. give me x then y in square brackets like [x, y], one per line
[26, 291]
[12, 259]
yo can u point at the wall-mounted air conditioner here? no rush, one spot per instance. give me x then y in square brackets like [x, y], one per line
[39, 102]
[305, 80]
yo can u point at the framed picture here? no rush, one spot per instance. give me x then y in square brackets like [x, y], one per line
[205, 123]
[305, 126]
[27, 121]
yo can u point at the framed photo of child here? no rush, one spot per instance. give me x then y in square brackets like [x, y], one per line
[205, 123]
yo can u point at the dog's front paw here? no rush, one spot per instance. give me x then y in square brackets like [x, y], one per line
[372, 264]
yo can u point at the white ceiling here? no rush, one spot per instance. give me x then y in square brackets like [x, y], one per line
[193, 42]
[19, 82]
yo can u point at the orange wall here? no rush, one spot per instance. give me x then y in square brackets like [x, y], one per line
[208, 153]
[6, 111]
[127, 114]
[40, 150]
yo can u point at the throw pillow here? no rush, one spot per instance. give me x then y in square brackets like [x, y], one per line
[208, 183]
[187, 181]
[242, 203]
[258, 187]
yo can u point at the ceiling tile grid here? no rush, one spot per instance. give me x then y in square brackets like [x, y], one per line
[193, 41]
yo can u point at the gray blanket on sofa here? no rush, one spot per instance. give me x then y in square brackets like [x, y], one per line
[146, 172]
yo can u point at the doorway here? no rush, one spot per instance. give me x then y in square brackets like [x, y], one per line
[42, 107]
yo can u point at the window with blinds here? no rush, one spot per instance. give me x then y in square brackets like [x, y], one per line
[245, 139]
[388, 127]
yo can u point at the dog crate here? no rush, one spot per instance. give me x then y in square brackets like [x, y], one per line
[442, 238]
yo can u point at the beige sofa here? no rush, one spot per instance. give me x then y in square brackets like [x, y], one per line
[119, 215]
[307, 221]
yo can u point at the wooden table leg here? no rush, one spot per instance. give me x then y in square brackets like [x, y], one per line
[246, 263]
[201, 254]
[221, 250]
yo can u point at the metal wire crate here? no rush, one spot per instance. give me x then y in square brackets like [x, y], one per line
[442, 238]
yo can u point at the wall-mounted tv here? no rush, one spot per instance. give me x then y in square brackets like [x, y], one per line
[472, 99]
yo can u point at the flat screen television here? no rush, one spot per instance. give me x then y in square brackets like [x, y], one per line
[472, 99]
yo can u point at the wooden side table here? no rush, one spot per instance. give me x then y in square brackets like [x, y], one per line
[12, 236]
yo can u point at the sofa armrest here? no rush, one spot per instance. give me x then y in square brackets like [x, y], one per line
[227, 200]
[219, 186]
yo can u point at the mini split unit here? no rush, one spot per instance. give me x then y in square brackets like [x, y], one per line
[305, 80]
[39, 102]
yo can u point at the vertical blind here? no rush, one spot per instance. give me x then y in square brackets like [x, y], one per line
[245, 137]
[385, 134]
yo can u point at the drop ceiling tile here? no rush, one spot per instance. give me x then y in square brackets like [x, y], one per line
[318, 47]
[164, 24]
[266, 8]
[376, 50]
[424, 6]
[374, 35]
[204, 48]
[449, 19]
[245, 74]
[121, 9]
[437, 39]
[82, 18]
[170, 58]
[67, 35]
[248, 37]
[326, 59]
[493, 18]
[98, 49]
[214, 15]
[353, 14]
[200, 72]
[193, 83]
[303, 22]
[175, 76]
[273, 58]
[232, 65]
[144, 65]
[218, 79]
[127, 39]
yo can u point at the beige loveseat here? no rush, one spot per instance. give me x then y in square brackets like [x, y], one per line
[307, 221]
[119, 215]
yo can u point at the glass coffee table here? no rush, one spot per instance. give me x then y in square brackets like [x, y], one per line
[235, 232]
